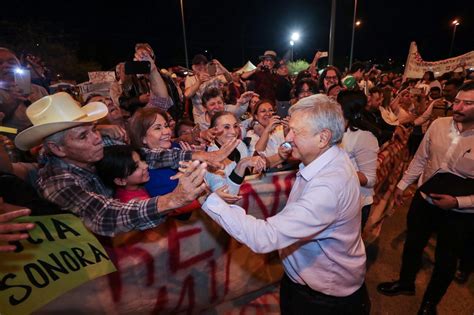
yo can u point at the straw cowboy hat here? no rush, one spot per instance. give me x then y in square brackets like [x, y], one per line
[54, 113]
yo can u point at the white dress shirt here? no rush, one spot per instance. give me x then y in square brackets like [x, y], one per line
[443, 150]
[362, 148]
[317, 233]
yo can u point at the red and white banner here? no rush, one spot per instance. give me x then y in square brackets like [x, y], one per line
[415, 66]
[184, 266]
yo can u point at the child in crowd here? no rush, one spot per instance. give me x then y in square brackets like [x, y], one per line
[123, 169]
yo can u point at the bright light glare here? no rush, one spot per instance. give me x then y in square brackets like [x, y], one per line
[292, 42]
[19, 70]
[455, 22]
[358, 23]
[295, 36]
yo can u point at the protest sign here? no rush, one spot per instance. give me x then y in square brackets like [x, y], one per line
[60, 254]
[415, 66]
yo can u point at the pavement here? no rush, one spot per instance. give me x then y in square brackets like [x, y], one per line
[384, 259]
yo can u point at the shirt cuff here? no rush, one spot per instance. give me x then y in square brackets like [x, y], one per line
[151, 217]
[402, 185]
[465, 202]
[234, 177]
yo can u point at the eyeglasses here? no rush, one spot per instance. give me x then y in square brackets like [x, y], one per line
[331, 77]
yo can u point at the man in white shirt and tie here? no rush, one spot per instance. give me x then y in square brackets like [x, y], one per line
[317, 234]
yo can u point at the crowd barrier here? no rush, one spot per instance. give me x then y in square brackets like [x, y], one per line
[194, 266]
[393, 159]
[183, 266]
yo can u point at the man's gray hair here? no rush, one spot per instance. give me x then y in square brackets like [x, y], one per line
[321, 112]
[57, 138]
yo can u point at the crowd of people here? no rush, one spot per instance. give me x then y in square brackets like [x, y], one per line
[162, 144]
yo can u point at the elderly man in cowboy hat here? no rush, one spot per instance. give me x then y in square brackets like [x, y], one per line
[68, 178]
[264, 76]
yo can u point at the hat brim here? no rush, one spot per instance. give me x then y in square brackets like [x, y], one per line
[268, 56]
[34, 135]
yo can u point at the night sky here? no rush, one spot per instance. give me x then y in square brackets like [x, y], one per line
[237, 31]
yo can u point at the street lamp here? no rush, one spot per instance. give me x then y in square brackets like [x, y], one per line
[455, 23]
[294, 38]
[354, 24]
[184, 34]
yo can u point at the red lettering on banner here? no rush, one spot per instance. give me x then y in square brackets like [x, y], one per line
[161, 300]
[115, 279]
[188, 287]
[247, 190]
[213, 295]
[174, 237]
[263, 305]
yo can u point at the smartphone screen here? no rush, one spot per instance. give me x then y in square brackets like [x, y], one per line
[137, 67]
[23, 80]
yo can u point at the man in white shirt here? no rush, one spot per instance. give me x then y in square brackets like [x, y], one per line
[446, 149]
[318, 232]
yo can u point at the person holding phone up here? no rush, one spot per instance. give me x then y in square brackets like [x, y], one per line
[205, 75]
[142, 83]
[15, 99]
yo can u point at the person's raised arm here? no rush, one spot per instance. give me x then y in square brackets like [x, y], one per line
[248, 74]
[225, 72]
[10, 231]
[157, 84]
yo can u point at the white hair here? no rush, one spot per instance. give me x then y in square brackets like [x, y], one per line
[321, 112]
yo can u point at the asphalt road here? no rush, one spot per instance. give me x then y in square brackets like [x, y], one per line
[384, 265]
[384, 258]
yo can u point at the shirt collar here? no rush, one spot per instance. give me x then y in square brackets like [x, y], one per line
[455, 131]
[313, 168]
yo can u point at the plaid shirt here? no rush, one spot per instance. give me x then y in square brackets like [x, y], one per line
[163, 103]
[81, 192]
[159, 158]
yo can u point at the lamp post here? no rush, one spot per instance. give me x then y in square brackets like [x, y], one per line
[184, 35]
[332, 32]
[455, 23]
[354, 24]
[294, 38]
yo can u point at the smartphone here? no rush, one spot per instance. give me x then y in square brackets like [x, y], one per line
[137, 67]
[324, 54]
[416, 91]
[211, 69]
[23, 80]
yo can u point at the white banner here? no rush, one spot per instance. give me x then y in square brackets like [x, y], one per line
[415, 66]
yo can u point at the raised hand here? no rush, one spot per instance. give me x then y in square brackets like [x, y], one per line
[114, 132]
[223, 192]
[191, 184]
[246, 97]
[13, 231]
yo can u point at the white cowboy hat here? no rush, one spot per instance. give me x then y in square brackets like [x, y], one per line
[54, 113]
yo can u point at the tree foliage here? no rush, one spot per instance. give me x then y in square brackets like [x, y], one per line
[294, 67]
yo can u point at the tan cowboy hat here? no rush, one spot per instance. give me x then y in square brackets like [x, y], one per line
[54, 113]
[269, 54]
